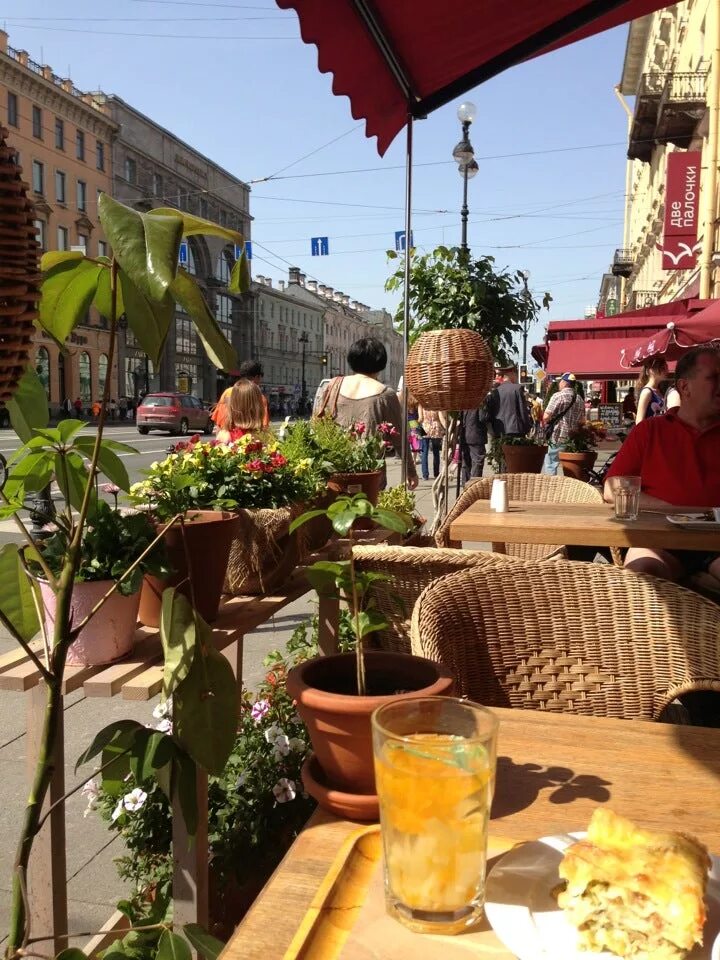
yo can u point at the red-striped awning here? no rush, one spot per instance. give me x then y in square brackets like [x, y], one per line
[592, 359]
[398, 57]
[678, 335]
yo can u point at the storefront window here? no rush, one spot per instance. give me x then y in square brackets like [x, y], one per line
[102, 373]
[42, 365]
[85, 373]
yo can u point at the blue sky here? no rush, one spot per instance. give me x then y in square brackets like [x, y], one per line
[234, 80]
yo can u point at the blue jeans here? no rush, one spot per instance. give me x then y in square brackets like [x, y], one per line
[425, 444]
[551, 463]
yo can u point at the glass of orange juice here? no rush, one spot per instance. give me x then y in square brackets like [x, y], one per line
[435, 775]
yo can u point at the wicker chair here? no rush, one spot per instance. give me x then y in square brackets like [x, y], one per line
[409, 571]
[569, 637]
[521, 486]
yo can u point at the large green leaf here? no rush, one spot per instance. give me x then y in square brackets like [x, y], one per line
[71, 476]
[146, 245]
[29, 409]
[103, 738]
[205, 943]
[67, 429]
[240, 275]
[149, 320]
[185, 787]
[34, 472]
[178, 637]
[173, 947]
[194, 226]
[108, 462]
[53, 258]
[205, 708]
[189, 295]
[68, 290]
[16, 600]
[103, 296]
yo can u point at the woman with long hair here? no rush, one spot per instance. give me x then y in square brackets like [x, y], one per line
[246, 411]
[649, 398]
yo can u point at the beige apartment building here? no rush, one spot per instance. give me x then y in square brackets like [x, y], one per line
[671, 76]
[63, 138]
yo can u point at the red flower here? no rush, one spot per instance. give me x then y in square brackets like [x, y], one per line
[256, 465]
[359, 428]
[195, 438]
[237, 433]
[254, 447]
[278, 460]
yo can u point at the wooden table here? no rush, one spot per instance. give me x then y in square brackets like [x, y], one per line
[575, 524]
[553, 771]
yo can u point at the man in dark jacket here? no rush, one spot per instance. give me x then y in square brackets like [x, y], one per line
[475, 442]
[507, 407]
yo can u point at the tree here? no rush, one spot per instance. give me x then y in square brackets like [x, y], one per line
[450, 289]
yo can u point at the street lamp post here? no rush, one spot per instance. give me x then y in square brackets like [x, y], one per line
[304, 340]
[526, 319]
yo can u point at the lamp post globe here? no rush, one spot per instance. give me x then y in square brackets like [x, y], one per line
[467, 112]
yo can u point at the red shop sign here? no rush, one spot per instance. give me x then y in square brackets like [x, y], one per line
[682, 200]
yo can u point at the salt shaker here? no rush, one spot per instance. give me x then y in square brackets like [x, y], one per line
[494, 493]
[502, 498]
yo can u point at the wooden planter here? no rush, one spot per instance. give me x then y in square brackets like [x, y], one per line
[449, 370]
[341, 775]
[577, 464]
[523, 459]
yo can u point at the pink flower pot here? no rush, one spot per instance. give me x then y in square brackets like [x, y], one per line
[110, 634]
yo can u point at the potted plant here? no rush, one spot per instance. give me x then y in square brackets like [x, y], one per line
[116, 550]
[337, 694]
[579, 451]
[355, 457]
[523, 454]
[403, 501]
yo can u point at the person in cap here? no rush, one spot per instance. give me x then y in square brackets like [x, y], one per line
[564, 413]
[507, 406]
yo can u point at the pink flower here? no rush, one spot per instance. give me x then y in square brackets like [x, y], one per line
[259, 710]
[359, 428]
[256, 466]
[112, 488]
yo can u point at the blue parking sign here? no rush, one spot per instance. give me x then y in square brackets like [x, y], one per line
[183, 253]
[400, 239]
[248, 250]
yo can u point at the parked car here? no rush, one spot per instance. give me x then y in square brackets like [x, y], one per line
[173, 412]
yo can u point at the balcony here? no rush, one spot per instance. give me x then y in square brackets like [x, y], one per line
[647, 104]
[623, 262]
[682, 107]
[643, 298]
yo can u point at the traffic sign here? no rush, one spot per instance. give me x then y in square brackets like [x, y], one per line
[319, 246]
[183, 253]
[248, 250]
[611, 308]
[400, 239]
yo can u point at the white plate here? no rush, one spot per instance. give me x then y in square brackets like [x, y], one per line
[692, 521]
[525, 916]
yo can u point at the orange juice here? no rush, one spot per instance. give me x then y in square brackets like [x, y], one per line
[435, 792]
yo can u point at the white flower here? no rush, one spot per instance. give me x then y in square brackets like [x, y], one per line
[273, 732]
[163, 709]
[284, 790]
[118, 811]
[296, 744]
[134, 800]
[91, 789]
[165, 725]
[281, 746]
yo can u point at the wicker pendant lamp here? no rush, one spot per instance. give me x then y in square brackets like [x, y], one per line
[19, 272]
[449, 370]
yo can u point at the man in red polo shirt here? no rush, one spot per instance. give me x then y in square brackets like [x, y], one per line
[677, 457]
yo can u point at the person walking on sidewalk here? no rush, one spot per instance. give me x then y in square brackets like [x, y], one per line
[475, 424]
[564, 412]
[507, 406]
[432, 438]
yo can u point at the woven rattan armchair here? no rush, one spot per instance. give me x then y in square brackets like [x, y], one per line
[410, 570]
[521, 486]
[570, 637]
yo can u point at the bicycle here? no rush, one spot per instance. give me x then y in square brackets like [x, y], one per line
[598, 477]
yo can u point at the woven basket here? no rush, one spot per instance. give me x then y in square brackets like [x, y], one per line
[449, 370]
[19, 272]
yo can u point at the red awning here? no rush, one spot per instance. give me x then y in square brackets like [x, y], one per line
[678, 335]
[394, 57]
[588, 359]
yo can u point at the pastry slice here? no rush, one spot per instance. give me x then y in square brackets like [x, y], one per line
[635, 892]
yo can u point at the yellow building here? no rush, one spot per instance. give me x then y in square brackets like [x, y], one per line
[671, 74]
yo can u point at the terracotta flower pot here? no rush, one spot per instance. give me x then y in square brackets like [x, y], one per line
[368, 483]
[209, 534]
[338, 720]
[520, 458]
[577, 464]
[110, 634]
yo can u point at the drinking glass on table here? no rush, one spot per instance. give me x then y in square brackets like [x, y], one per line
[435, 775]
[626, 497]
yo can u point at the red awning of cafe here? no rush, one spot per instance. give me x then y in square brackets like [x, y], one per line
[398, 57]
[589, 359]
[680, 334]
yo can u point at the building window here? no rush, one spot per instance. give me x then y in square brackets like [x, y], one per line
[41, 228]
[102, 248]
[223, 314]
[222, 267]
[80, 145]
[102, 373]
[37, 122]
[85, 372]
[81, 195]
[42, 367]
[59, 134]
[63, 238]
[83, 242]
[203, 207]
[185, 336]
[12, 105]
[130, 170]
[38, 177]
[100, 155]
[157, 185]
[60, 186]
